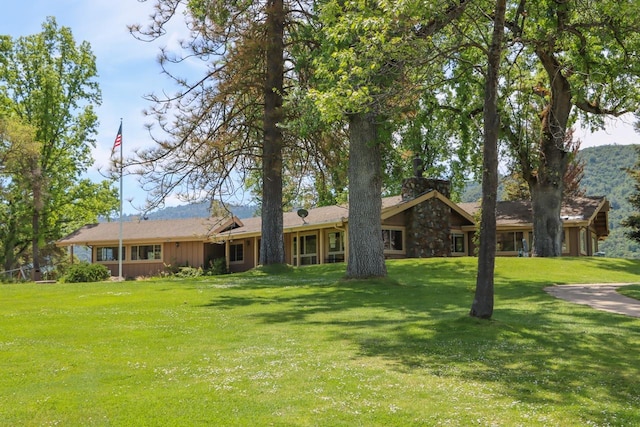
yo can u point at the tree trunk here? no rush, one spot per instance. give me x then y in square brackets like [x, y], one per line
[548, 184]
[482, 306]
[366, 249]
[36, 274]
[272, 243]
[546, 201]
[38, 203]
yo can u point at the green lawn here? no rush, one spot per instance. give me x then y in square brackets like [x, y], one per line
[306, 348]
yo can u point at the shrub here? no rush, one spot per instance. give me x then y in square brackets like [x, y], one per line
[217, 266]
[189, 272]
[85, 272]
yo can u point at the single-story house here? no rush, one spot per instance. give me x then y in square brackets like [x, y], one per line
[421, 222]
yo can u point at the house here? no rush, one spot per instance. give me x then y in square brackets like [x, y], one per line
[150, 247]
[585, 223]
[421, 222]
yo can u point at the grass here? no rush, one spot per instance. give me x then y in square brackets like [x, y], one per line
[305, 348]
[632, 291]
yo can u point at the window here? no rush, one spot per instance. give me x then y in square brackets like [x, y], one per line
[146, 252]
[457, 243]
[509, 241]
[236, 253]
[393, 240]
[583, 241]
[565, 241]
[109, 253]
[308, 250]
[336, 242]
[336, 246]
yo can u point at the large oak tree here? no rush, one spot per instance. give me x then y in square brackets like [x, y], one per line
[568, 59]
[47, 92]
[370, 70]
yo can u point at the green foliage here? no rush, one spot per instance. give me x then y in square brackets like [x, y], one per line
[48, 87]
[189, 272]
[307, 348]
[218, 266]
[86, 272]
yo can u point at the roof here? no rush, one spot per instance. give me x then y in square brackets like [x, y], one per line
[518, 212]
[327, 216]
[150, 231]
[583, 210]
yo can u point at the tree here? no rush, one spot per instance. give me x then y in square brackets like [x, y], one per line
[49, 88]
[272, 242]
[482, 306]
[517, 188]
[369, 70]
[565, 54]
[232, 122]
[565, 60]
[18, 152]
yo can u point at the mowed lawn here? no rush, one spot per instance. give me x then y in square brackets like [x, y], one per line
[306, 348]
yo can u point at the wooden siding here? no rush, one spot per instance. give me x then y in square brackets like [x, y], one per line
[184, 254]
[132, 270]
[174, 254]
[248, 253]
[399, 220]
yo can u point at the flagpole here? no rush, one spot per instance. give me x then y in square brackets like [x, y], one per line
[120, 254]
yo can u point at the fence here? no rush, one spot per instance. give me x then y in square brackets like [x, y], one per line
[16, 273]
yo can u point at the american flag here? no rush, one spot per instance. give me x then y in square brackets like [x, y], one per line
[118, 140]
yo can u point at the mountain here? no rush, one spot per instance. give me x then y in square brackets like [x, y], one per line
[604, 175]
[192, 210]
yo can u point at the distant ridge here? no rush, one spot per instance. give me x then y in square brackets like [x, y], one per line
[192, 210]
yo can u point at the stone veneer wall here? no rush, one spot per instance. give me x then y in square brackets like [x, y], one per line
[429, 223]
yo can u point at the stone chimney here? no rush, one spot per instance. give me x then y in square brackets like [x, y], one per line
[428, 223]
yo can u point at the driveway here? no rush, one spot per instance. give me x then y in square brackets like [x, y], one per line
[599, 296]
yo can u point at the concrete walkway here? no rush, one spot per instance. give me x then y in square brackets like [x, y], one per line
[599, 296]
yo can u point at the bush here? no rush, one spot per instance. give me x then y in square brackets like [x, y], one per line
[217, 266]
[189, 272]
[85, 272]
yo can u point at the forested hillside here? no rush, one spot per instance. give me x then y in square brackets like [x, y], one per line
[604, 175]
[193, 210]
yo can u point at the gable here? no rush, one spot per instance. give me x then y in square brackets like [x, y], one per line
[395, 205]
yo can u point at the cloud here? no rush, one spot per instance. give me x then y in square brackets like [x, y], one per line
[619, 130]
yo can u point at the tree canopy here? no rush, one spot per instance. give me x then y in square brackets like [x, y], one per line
[48, 90]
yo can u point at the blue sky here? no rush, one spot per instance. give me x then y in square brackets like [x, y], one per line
[128, 70]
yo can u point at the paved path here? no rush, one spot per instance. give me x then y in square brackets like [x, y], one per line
[599, 296]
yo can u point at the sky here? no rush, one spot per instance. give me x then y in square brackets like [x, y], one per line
[128, 70]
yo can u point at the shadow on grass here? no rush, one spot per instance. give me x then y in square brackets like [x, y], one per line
[537, 349]
[625, 265]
